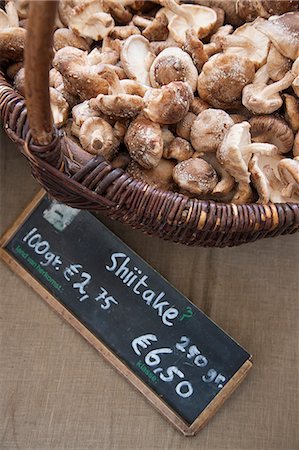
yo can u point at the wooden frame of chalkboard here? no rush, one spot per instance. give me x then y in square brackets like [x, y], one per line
[162, 406]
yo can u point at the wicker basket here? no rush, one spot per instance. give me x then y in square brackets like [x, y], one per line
[95, 185]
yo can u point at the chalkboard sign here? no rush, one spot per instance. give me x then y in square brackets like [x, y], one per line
[171, 351]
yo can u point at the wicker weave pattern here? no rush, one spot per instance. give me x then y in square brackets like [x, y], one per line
[96, 186]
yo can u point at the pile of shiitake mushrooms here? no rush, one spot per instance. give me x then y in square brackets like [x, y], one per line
[195, 97]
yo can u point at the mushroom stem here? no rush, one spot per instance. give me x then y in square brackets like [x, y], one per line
[260, 148]
[211, 49]
[262, 75]
[141, 22]
[12, 14]
[97, 141]
[175, 8]
[280, 85]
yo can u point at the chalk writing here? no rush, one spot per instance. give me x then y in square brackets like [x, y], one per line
[132, 279]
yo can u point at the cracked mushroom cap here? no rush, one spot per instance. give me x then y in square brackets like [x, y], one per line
[223, 79]
[289, 174]
[283, 32]
[144, 142]
[273, 130]
[12, 44]
[247, 41]
[63, 37]
[196, 176]
[201, 18]
[209, 129]
[78, 76]
[261, 98]
[159, 177]
[88, 20]
[168, 104]
[173, 64]
[265, 177]
[59, 107]
[96, 137]
[137, 58]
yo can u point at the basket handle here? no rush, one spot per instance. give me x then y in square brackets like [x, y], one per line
[38, 58]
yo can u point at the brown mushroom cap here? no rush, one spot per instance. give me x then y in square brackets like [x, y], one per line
[209, 128]
[169, 104]
[195, 175]
[273, 130]
[249, 10]
[179, 149]
[79, 78]
[158, 177]
[173, 64]
[223, 78]
[144, 142]
[283, 31]
[63, 37]
[12, 44]
[157, 30]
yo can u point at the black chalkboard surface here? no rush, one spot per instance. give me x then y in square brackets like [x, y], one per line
[165, 340]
